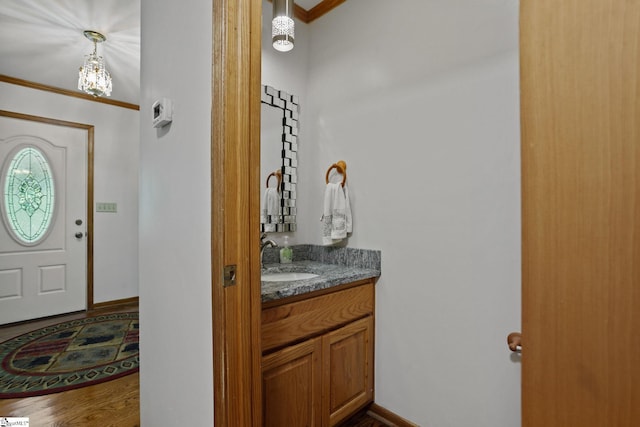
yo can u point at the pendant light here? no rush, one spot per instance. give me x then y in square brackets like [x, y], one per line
[282, 25]
[93, 77]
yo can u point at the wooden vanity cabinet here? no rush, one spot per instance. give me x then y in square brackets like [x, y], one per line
[317, 365]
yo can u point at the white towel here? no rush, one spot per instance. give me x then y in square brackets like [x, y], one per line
[336, 216]
[270, 209]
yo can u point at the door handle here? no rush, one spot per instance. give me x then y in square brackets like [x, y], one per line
[514, 341]
[79, 235]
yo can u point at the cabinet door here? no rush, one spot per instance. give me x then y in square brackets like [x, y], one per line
[292, 386]
[348, 369]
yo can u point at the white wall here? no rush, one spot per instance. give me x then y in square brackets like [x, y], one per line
[116, 142]
[420, 98]
[176, 368]
[287, 71]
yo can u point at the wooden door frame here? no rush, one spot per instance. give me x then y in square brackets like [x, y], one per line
[90, 173]
[235, 168]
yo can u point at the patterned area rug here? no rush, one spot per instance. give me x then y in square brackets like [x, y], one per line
[69, 355]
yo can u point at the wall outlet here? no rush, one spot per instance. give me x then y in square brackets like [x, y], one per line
[109, 207]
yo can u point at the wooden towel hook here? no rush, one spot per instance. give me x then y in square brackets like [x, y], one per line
[341, 167]
[514, 341]
[278, 175]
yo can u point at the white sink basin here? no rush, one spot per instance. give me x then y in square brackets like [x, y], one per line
[286, 277]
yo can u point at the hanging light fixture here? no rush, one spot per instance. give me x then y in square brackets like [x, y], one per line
[282, 26]
[93, 77]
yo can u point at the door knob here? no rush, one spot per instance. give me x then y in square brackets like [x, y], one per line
[79, 235]
[514, 341]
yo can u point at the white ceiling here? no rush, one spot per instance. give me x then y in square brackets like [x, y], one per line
[42, 41]
[307, 4]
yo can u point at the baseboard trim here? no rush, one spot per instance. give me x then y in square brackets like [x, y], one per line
[114, 303]
[386, 416]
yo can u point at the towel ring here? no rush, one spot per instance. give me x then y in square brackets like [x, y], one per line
[341, 167]
[278, 175]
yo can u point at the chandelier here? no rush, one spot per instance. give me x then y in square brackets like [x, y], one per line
[93, 77]
[282, 25]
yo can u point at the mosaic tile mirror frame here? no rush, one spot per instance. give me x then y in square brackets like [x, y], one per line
[288, 106]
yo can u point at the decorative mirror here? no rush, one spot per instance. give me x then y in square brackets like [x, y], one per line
[278, 160]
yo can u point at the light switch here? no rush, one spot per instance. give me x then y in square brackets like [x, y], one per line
[109, 207]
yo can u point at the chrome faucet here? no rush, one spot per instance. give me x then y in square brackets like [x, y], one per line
[263, 245]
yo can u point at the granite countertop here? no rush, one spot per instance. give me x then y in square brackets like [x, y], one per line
[334, 266]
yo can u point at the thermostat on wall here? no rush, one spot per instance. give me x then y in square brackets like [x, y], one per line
[162, 112]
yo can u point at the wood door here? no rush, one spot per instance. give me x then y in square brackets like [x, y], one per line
[43, 244]
[580, 88]
[292, 386]
[347, 356]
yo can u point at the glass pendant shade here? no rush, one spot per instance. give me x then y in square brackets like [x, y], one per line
[283, 26]
[93, 77]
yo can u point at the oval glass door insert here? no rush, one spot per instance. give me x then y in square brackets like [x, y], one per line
[29, 196]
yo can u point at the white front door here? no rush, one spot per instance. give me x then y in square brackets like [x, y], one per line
[43, 201]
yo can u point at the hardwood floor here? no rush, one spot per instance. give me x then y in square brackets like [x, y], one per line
[113, 403]
[363, 419]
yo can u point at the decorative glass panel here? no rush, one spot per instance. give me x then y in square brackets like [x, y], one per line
[29, 195]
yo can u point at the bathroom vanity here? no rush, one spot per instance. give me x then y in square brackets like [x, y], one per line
[317, 343]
